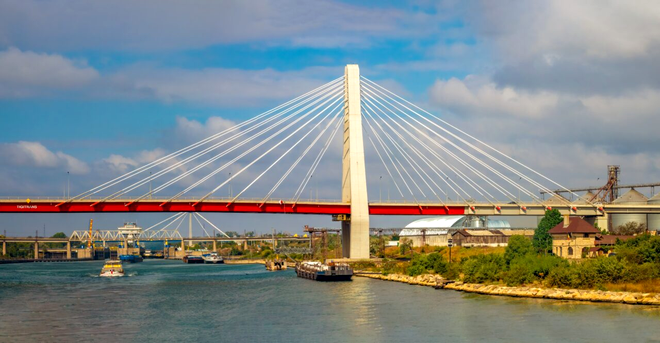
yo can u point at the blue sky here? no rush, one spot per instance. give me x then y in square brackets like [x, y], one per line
[568, 88]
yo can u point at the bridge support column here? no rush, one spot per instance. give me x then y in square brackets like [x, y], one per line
[215, 246]
[36, 250]
[4, 248]
[355, 233]
[68, 250]
[245, 245]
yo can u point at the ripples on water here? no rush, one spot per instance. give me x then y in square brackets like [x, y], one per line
[172, 301]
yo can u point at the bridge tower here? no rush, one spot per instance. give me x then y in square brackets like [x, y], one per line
[354, 180]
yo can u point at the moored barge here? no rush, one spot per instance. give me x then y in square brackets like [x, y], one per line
[193, 259]
[324, 272]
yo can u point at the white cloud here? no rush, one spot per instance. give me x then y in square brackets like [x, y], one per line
[479, 96]
[218, 86]
[24, 73]
[35, 154]
[591, 28]
[128, 25]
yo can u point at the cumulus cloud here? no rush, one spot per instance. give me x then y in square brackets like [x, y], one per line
[28, 74]
[25, 73]
[35, 154]
[587, 47]
[127, 25]
[119, 164]
[219, 86]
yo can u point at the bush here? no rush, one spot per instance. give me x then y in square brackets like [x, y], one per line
[518, 246]
[483, 268]
[415, 269]
[561, 277]
[518, 274]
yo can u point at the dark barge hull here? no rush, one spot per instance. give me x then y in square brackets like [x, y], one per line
[322, 277]
[193, 260]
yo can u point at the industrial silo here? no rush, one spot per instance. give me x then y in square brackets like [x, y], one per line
[654, 219]
[586, 199]
[632, 197]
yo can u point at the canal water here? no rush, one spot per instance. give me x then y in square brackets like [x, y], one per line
[167, 301]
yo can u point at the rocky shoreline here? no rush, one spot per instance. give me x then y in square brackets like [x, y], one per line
[527, 292]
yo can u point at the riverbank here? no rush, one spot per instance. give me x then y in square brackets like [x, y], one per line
[245, 261]
[436, 281]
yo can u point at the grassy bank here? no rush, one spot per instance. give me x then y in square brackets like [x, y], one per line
[636, 266]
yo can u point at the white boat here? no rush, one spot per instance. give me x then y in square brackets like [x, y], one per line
[213, 258]
[112, 268]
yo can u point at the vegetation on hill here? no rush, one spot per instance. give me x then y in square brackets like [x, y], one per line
[637, 262]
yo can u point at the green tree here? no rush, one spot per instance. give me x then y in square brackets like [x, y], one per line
[518, 246]
[59, 235]
[405, 245]
[629, 229]
[542, 239]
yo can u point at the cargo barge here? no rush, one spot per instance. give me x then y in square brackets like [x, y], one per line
[193, 259]
[131, 258]
[324, 272]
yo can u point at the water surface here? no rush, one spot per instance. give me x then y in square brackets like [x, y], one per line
[172, 301]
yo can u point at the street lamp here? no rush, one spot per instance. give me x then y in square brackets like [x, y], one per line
[380, 188]
[68, 188]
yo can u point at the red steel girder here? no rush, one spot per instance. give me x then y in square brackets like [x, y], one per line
[221, 206]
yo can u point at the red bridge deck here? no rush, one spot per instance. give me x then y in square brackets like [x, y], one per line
[55, 206]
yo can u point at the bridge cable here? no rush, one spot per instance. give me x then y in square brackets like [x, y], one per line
[199, 143]
[213, 225]
[482, 163]
[271, 149]
[456, 171]
[314, 165]
[309, 147]
[414, 150]
[202, 226]
[384, 164]
[404, 154]
[427, 160]
[467, 165]
[162, 221]
[225, 152]
[481, 151]
[291, 148]
[389, 154]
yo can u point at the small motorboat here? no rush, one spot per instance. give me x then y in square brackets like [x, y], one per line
[213, 258]
[112, 268]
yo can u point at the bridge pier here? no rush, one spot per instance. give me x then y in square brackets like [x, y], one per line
[355, 233]
[4, 248]
[36, 250]
[215, 245]
[68, 250]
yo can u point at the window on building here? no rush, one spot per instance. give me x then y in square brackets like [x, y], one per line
[586, 235]
[570, 251]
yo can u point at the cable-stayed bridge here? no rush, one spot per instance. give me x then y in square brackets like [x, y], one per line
[430, 168]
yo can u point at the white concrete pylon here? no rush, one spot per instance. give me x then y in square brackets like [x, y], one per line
[354, 181]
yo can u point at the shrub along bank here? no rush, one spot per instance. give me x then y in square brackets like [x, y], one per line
[636, 260]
